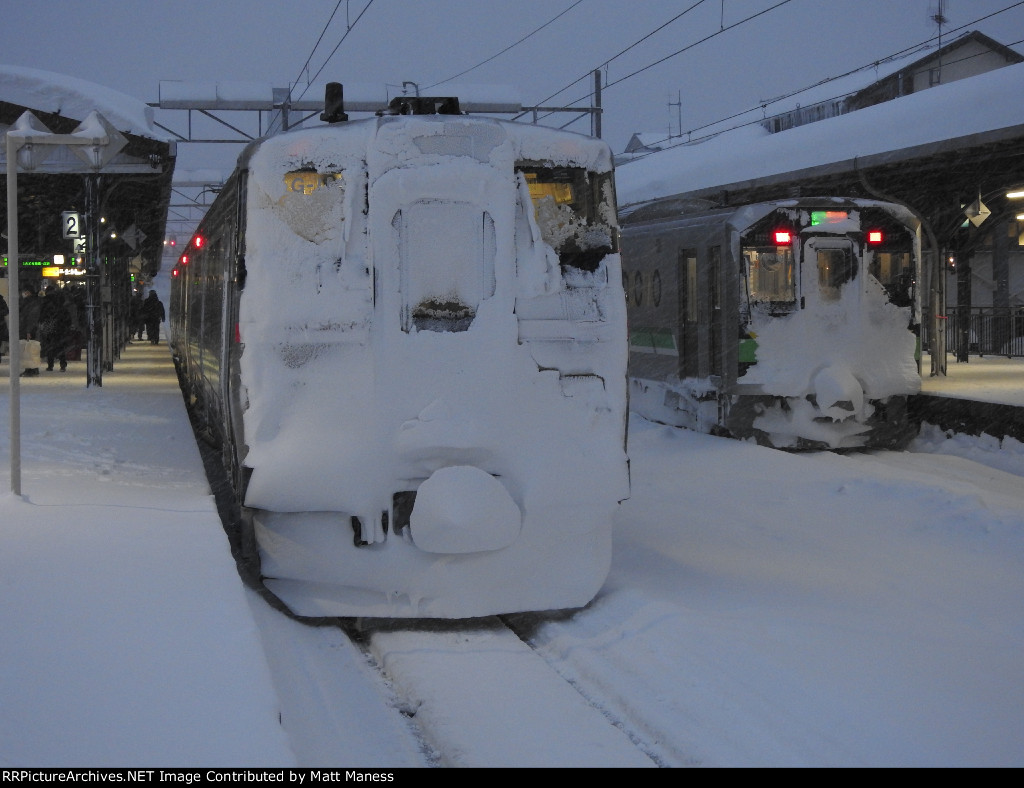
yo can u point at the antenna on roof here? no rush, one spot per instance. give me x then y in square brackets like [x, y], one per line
[937, 13]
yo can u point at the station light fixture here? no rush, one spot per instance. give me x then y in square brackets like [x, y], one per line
[1015, 195]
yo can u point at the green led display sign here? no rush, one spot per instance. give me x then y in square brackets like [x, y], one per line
[30, 263]
[828, 217]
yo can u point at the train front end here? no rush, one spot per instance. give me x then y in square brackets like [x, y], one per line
[794, 323]
[433, 352]
[829, 323]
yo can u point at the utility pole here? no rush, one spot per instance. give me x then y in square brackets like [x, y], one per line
[938, 16]
[678, 104]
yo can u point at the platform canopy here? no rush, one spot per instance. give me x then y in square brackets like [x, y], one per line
[937, 151]
[134, 185]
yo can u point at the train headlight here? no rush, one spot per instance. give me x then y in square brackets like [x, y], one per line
[782, 237]
[875, 237]
[463, 509]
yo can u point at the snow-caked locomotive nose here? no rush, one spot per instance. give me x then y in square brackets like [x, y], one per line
[431, 366]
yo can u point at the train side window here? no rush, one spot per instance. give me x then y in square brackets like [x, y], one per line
[895, 272]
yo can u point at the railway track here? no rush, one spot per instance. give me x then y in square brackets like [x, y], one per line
[435, 686]
[716, 642]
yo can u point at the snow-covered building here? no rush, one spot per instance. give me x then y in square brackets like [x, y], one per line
[965, 56]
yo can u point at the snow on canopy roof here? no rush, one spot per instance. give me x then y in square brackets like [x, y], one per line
[75, 98]
[981, 105]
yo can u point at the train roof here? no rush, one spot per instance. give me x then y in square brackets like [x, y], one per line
[541, 144]
[686, 211]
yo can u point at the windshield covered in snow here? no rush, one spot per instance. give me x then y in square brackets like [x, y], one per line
[312, 203]
[571, 209]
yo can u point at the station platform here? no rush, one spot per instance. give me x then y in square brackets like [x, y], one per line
[981, 378]
[984, 395]
[128, 638]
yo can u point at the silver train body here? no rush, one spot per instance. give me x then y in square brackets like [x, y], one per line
[794, 323]
[407, 333]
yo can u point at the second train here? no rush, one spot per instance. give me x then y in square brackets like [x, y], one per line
[794, 323]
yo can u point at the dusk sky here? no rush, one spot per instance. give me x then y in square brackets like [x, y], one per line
[668, 64]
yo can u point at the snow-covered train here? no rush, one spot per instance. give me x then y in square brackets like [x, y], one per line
[407, 333]
[794, 322]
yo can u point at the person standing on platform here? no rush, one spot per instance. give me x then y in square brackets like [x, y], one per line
[4, 335]
[28, 329]
[136, 325]
[153, 315]
[54, 328]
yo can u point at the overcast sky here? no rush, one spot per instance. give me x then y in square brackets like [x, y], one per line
[714, 64]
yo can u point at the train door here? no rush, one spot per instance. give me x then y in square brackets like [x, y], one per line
[831, 263]
[686, 277]
[714, 309]
[705, 301]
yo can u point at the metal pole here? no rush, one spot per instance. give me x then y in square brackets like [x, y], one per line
[597, 103]
[13, 290]
[94, 349]
[26, 130]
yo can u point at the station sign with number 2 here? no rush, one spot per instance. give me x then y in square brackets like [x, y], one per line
[72, 223]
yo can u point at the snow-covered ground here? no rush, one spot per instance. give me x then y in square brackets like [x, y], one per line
[763, 609]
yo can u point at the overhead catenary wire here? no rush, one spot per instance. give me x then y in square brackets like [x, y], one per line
[348, 29]
[312, 52]
[614, 83]
[666, 57]
[506, 49]
[765, 104]
[619, 54]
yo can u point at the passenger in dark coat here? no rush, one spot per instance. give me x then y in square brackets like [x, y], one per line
[28, 322]
[153, 315]
[136, 325]
[55, 325]
[28, 314]
[4, 311]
